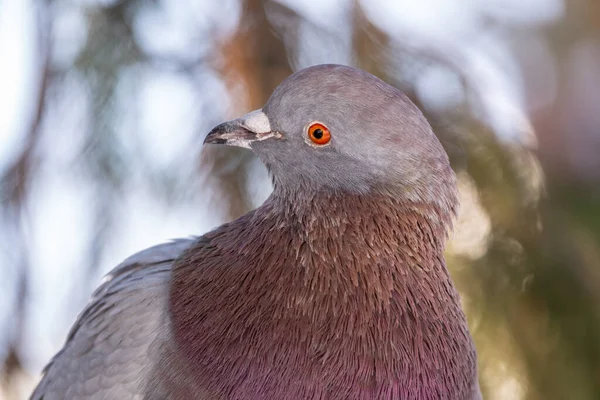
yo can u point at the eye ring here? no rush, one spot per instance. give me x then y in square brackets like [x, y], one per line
[318, 133]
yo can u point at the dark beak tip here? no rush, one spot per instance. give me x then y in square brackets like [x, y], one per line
[230, 132]
[214, 140]
[215, 136]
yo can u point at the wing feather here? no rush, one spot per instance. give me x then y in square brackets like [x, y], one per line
[105, 355]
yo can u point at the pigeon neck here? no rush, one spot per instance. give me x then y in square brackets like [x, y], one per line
[378, 216]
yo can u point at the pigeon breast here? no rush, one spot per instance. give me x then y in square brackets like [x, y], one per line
[337, 297]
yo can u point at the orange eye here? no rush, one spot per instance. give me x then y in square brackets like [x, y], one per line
[319, 133]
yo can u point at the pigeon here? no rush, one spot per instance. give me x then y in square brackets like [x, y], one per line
[334, 288]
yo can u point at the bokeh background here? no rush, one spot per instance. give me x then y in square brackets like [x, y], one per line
[104, 105]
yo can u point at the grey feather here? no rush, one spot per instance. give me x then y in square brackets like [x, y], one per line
[106, 351]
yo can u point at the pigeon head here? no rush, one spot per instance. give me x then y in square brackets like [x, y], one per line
[336, 128]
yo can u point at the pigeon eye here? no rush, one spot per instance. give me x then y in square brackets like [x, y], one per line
[319, 133]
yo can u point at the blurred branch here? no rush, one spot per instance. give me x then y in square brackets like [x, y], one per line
[253, 63]
[371, 45]
[14, 185]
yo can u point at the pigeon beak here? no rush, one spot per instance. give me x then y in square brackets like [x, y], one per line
[242, 132]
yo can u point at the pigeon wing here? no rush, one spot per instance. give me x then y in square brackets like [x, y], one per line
[106, 355]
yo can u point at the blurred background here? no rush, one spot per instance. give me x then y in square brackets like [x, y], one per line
[104, 105]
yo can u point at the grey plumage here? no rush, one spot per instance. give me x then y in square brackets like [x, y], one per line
[335, 288]
[106, 352]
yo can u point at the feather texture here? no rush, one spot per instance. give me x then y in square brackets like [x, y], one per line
[105, 355]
